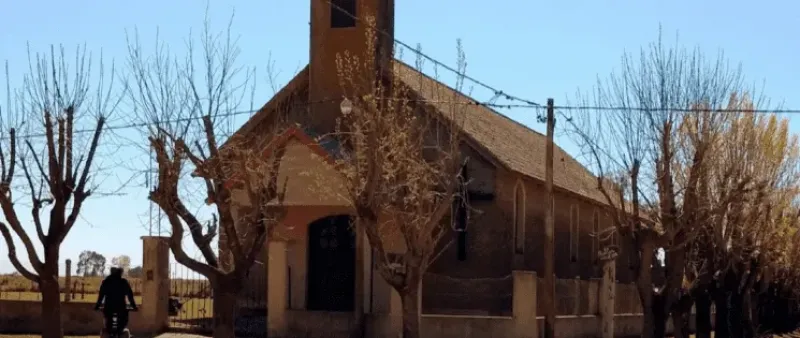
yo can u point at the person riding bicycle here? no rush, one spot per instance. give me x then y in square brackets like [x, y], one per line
[113, 291]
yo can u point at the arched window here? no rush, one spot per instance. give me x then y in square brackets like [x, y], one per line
[574, 232]
[461, 215]
[519, 218]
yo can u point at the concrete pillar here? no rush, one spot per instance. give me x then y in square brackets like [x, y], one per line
[68, 282]
[524, 304]
[607, 293]
[277, 300]
[154, 309]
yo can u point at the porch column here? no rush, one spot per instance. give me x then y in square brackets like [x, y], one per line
[277, 301]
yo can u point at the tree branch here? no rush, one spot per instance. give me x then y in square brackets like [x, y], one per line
[12, 255]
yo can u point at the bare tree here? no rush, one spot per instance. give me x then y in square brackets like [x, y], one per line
[749, 197]
[187, 120]
[638, 143]
[402, 173]
[52, 106]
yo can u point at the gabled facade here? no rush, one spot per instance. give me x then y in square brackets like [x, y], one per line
[505, 231]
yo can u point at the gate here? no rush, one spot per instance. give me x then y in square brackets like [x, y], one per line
[192, 300]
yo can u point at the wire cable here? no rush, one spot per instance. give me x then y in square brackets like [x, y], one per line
[559, 110]
[497, 92]
[679, 110]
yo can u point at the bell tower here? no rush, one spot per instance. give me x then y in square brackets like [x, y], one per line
[339, 26]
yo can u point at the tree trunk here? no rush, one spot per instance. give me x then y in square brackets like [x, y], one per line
[748, 324]
[644, 285]
[648, 324]
[225, 297]
[721, 327]
[680, 316]
[673, 289]
[660, 315]
[51, 306]
[736, 315]
[703, 314]
[410, 301]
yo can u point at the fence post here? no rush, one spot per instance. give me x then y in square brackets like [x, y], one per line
[155, 285]
[524, 304]
[607, 293]
[67, 281]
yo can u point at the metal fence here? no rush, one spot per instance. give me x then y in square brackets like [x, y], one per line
[192, 302]
[82, 289]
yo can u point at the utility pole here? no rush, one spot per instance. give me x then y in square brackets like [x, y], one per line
[549, 244]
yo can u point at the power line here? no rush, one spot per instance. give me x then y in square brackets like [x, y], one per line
[497, 92]
[531, 104]
[680, 110]
[470, 102]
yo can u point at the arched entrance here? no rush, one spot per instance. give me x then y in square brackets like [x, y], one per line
[331, 264]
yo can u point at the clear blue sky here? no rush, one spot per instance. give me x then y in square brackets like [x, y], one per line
[532, 49]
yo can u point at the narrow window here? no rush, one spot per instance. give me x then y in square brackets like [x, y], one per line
[343, 13]
[519, 218]
[574, 232]
[461, 215]
[595, 234]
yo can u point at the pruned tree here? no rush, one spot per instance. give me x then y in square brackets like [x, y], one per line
[655, 184]
[750, 197]
[186, 120]
[41, 150]
[91, 263]
[401, 172]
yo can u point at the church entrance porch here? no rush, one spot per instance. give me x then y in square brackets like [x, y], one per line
[331, 264]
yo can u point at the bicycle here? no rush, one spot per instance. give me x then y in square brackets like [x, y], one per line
[115, 331]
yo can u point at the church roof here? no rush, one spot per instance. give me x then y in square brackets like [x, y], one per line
[514, 145]
[510, 143]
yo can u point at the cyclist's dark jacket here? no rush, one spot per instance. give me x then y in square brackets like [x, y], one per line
[114, 290]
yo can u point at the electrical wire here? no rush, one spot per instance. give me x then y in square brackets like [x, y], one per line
[497, 92]
[679, 110]
[559, 110]
[529, 103]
